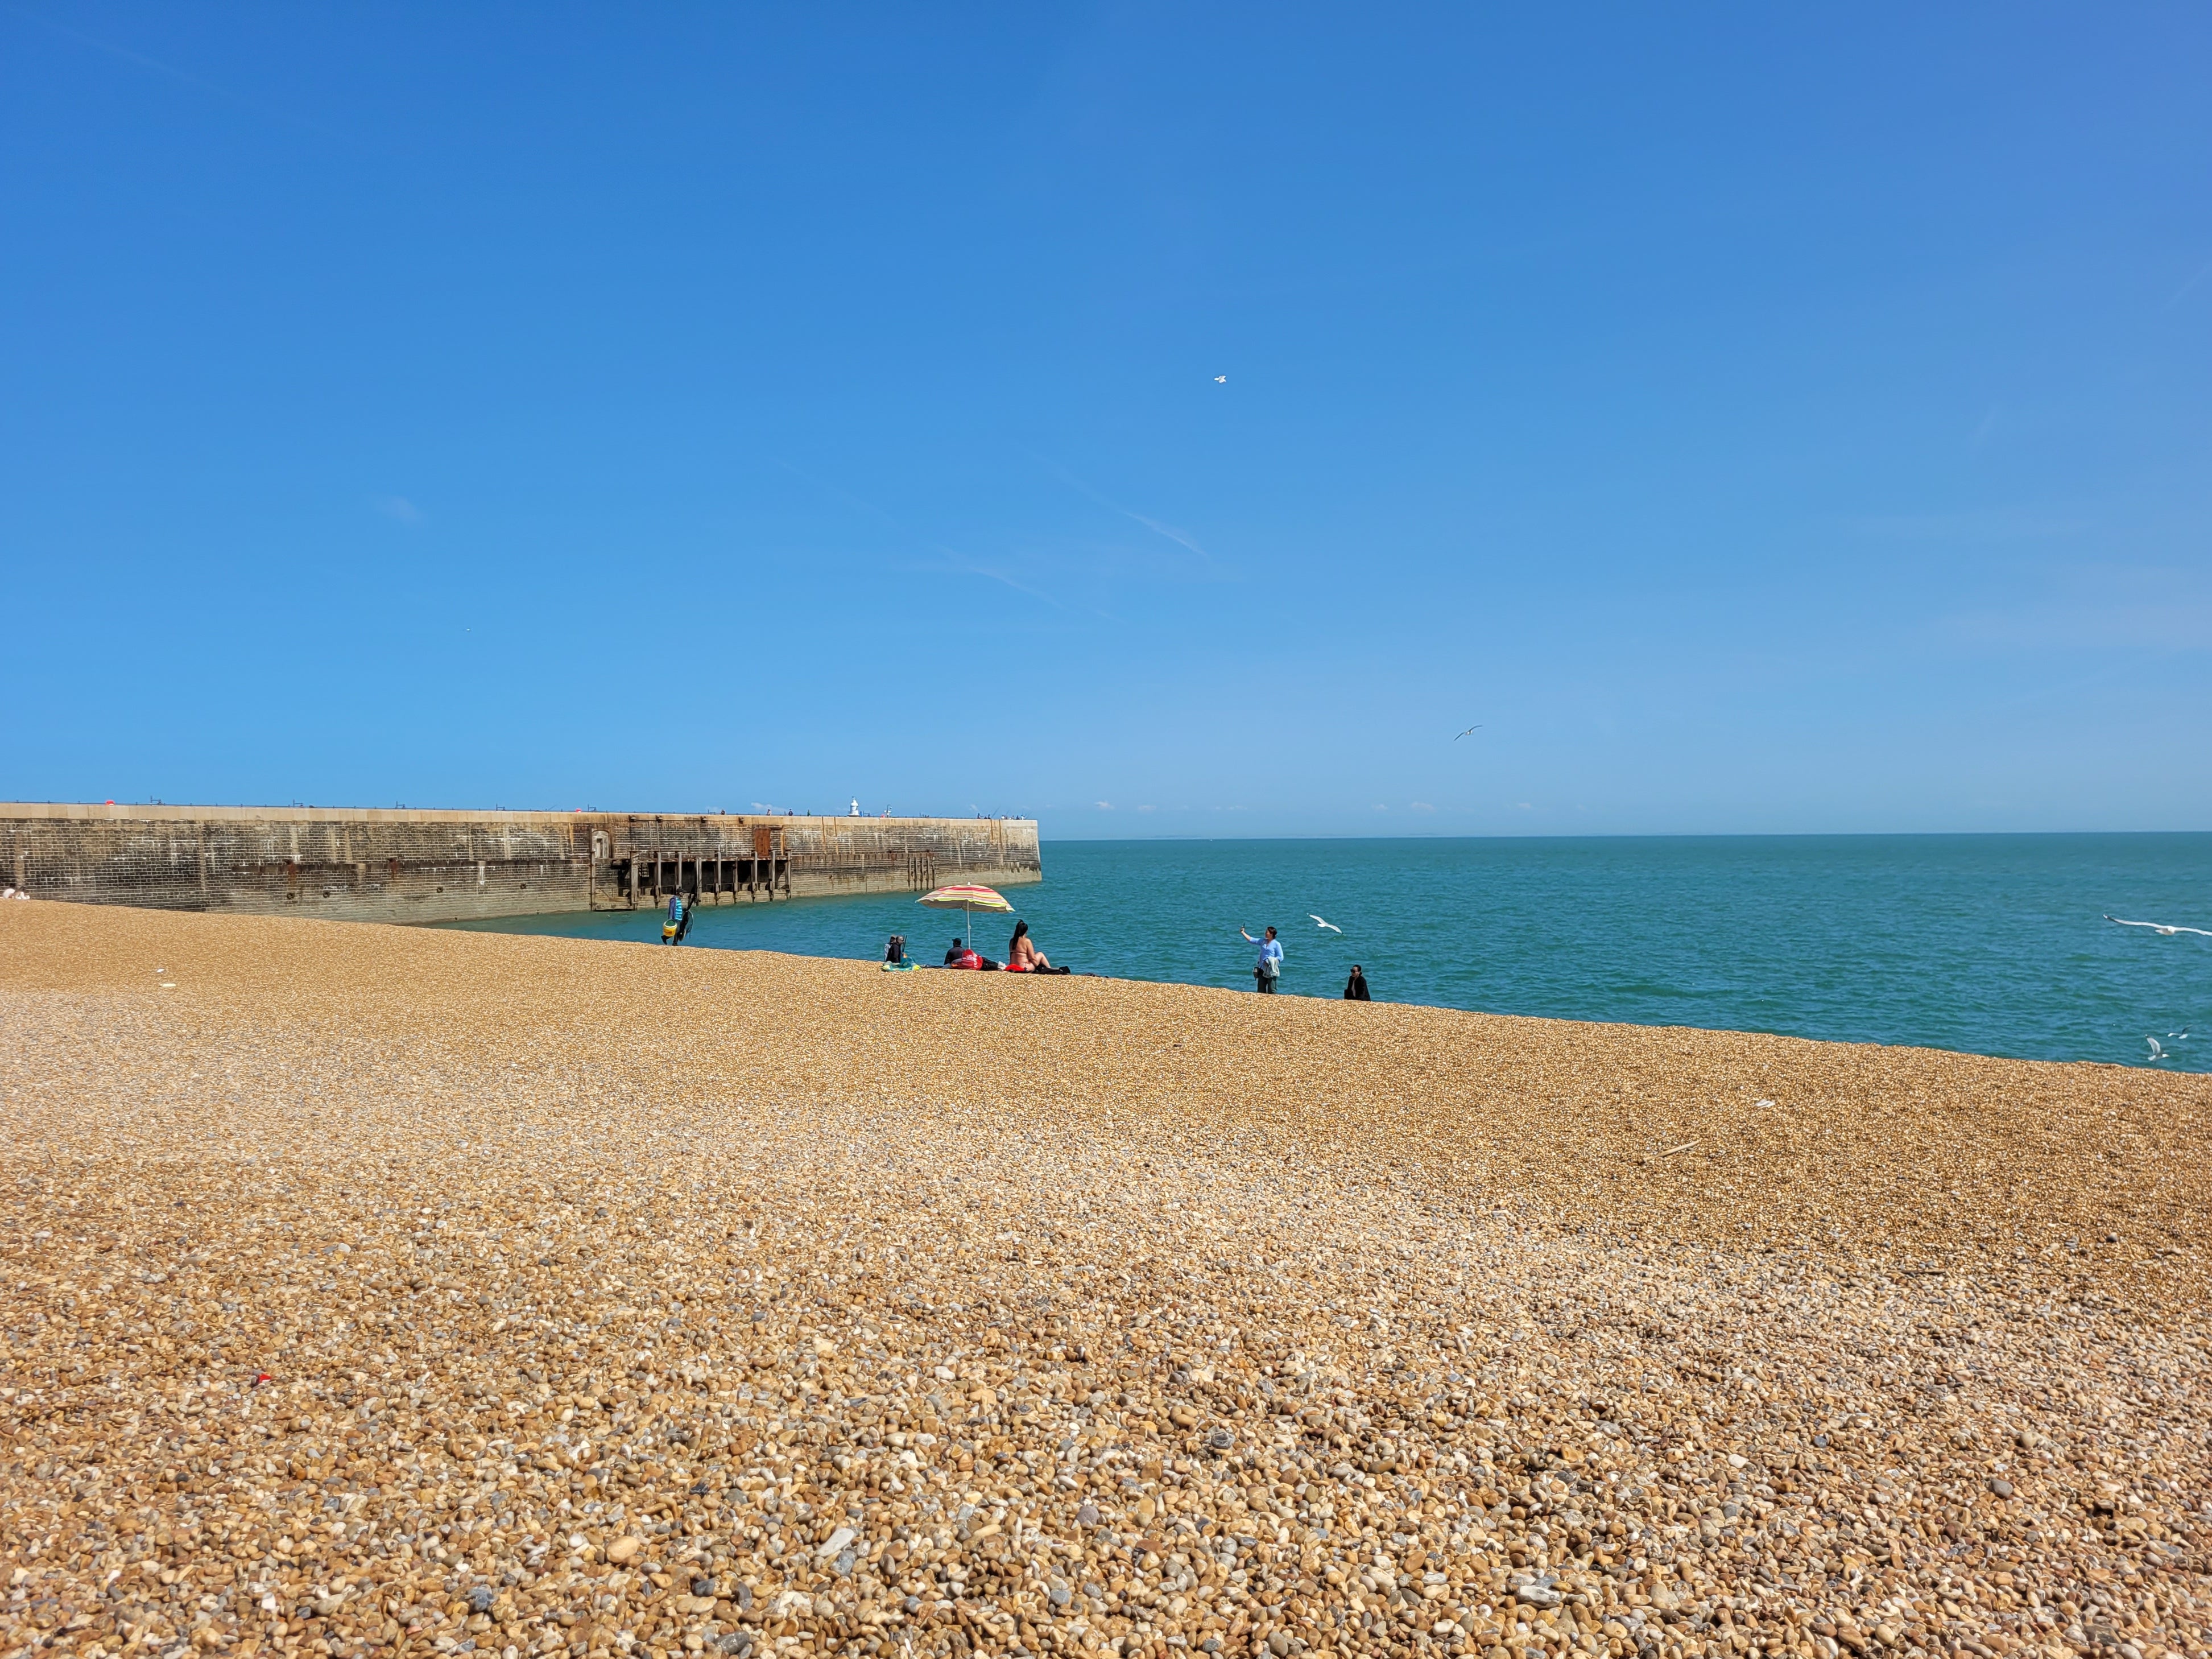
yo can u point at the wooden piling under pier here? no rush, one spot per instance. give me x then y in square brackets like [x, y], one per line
[764, 873]
[405, 865]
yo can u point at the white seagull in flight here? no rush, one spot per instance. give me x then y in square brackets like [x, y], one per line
[1471, 728]
[1221, 379]
[1331, 926]
[2156, 1053]
[2162, 927]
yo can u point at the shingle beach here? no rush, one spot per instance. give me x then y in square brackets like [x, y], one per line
[378, 1290]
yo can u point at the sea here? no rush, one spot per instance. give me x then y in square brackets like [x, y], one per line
[1992, 944]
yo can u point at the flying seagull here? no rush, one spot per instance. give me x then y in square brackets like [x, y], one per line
[1471, 728]
[1221, 379]
[1331, 926]
[2157, 1054]
[2162, 927]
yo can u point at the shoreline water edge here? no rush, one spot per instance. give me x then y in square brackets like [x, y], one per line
[1992, 944]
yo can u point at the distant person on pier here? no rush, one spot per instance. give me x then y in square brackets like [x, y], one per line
[1355, 989]
[1269, 967]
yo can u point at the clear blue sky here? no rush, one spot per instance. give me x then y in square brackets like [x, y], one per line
[1767, 419]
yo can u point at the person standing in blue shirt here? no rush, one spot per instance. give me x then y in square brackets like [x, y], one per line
[672, 929]
[1269, 967]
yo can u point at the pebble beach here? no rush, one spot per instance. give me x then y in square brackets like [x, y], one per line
[375, 1291]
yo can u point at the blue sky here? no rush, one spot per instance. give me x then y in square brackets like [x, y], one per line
[1762, 419]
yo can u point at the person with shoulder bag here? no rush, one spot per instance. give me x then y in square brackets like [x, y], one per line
[1269, 967]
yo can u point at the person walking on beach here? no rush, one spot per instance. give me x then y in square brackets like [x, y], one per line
[1355, 989]
[1269, 967]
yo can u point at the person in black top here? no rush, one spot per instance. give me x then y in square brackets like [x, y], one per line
[952, 956]
[1355, 989]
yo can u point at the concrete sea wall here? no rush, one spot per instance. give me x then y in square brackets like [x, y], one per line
[401, 866]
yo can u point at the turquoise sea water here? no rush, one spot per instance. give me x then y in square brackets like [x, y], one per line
[1991, 943]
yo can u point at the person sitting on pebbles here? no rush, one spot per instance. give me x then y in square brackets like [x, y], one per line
[1022, 954]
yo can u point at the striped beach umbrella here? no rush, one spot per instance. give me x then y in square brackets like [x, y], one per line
[968, 898]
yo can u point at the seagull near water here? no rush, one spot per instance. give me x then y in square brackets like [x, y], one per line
[2168, 929]
[2157, 1053]
[1331, 926]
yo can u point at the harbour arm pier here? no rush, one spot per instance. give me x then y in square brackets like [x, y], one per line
[398, 865]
